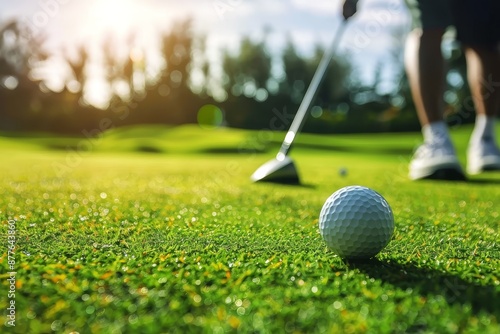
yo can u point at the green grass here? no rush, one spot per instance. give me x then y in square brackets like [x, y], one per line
[159, 230]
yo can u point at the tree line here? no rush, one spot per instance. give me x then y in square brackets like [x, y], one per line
[254, 89]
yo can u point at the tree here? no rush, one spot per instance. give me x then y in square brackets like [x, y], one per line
[170, 98]
[77, 67]
[19, 56]
[334, 83]
[250, 69]
[295, 67]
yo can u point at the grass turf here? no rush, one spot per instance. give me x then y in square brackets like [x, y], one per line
[117, 239]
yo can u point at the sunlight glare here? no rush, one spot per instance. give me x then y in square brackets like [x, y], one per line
[119, 17]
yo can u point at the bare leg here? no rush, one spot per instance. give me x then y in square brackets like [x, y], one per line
[483, 74]
[426, 73]
[436, 158]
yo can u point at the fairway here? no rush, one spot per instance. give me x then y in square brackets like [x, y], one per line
[159, 230]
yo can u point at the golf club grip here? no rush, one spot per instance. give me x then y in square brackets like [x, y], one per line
[311, 93]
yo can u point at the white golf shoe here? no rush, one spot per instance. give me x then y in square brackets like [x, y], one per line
[483, 156]
[436, 161]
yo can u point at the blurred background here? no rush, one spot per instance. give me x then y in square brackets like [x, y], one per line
[71, 67]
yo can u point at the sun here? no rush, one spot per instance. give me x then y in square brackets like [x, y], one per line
[118, 17]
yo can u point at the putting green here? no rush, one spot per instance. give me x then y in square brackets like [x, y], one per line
[161, 231]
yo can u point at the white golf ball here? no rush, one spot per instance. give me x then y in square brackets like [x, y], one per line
[356, 222]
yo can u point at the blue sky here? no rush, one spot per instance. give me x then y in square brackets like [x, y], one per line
[368, 37]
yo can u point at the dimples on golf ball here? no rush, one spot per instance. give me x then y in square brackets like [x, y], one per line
[356, 222]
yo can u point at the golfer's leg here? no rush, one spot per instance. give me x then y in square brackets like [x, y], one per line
[483, 74]
[424, 62]
[426, 72]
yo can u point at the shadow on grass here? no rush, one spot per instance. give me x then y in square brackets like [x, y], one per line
[78, 147]
[233, 150]
[292, 183]
[301, 185]
[312, 146]
[482, 181]
[429, 282]
[65, 147]
[357, 149]
[149, 149]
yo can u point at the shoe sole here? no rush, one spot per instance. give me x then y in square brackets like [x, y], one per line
[445, 174]
[492, 166]
[495, 168]
[449, 170]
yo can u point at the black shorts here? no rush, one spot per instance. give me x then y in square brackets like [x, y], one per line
[477, 22]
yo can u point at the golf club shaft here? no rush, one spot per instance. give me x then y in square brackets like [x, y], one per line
[312, 91]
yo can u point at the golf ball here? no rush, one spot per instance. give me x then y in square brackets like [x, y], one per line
[356, 222]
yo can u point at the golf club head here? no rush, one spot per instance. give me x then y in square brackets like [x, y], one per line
[277, 171]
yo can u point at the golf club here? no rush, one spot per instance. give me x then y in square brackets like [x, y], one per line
[282, 169]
